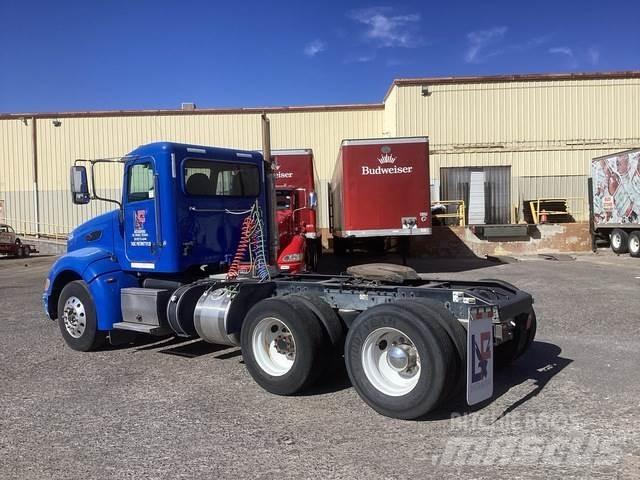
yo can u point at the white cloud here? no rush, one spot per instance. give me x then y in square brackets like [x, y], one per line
[594, 55]
[567, 52]
[314, 48]
[360, 58]
[486, 44]
[480, 40]
[365, 58]
[562, 51]
[386, 29]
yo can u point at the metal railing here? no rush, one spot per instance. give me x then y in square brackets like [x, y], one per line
[51, 231]
[459, 214]
[575, 207]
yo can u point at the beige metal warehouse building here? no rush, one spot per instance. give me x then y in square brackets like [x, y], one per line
[532, 134]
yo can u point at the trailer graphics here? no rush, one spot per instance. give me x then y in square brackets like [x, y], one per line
[402, 337]
[615, 201]
[385, 170]
[616, 188]
[365, 169]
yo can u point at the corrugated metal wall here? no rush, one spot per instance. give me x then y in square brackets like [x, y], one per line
[16, 170]
[573, 188]
[538, 128]
[100, 137]
[521, 115]
[542, 129]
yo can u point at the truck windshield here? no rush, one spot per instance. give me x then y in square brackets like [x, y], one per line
[216, 178]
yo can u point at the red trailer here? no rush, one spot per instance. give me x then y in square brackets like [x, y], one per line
[380, 188]
[296, 182]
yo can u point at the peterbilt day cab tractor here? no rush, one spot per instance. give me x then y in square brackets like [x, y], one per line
[296, 202]
[165, 263]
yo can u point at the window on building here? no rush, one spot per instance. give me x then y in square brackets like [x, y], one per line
[213, 178]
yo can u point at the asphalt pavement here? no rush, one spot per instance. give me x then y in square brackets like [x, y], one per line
[174, 409]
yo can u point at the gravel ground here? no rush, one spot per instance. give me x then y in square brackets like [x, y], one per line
[568, 408]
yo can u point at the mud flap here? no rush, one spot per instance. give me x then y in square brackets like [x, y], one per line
[480, 354]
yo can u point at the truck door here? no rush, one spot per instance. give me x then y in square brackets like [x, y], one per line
[140, 216]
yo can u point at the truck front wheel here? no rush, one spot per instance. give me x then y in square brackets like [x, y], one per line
[398, 363]
[284, 345]
[312, 254]
[77, 318]
[619, 241]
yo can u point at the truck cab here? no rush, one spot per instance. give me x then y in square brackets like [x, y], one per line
[179, 219]
[296, 181]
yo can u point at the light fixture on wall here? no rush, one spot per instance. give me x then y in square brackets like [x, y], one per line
[425, 91]
[56, 123]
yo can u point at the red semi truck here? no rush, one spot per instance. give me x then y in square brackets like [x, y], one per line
[379, 189]
[296, 197]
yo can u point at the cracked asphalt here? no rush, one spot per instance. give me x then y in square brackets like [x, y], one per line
[568, 408]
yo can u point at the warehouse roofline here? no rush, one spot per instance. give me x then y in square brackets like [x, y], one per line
[530, 77]
[198, 111]
[398, 82]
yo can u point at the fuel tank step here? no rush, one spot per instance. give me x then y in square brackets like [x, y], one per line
[141, 328]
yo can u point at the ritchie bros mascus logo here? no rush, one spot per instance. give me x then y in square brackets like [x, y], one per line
[387, 164]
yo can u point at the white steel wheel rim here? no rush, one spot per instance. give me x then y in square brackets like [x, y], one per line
[376, 364]
[634, 244]
[616, 240]
[74, 317]
[274, 347]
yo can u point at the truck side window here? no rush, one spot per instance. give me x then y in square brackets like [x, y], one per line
[141, 183]
[227, 179]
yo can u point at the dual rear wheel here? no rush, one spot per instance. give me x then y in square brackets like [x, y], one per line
[624, 242]
[404, 358]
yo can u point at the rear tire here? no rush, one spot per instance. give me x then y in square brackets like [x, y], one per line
[634, 244]
[283, 345]
[397, 362]
[312, 254]
[458, 336]
[77, 318]
[619, 241]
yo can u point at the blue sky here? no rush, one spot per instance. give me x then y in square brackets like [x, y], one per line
[131, 54]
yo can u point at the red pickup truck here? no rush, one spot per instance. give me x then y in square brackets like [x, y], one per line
[10, 244]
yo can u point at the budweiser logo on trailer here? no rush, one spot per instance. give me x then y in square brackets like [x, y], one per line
[279, 174]
[387, 164]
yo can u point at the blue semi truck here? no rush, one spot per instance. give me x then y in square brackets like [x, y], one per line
[167, 261]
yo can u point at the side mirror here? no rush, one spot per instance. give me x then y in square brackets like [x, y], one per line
[79, 185]
[313, 199]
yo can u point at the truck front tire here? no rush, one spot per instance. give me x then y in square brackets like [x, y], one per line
[619, 241]
[312, 254]
[284, 345]
[77, 318]
[398, 363]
